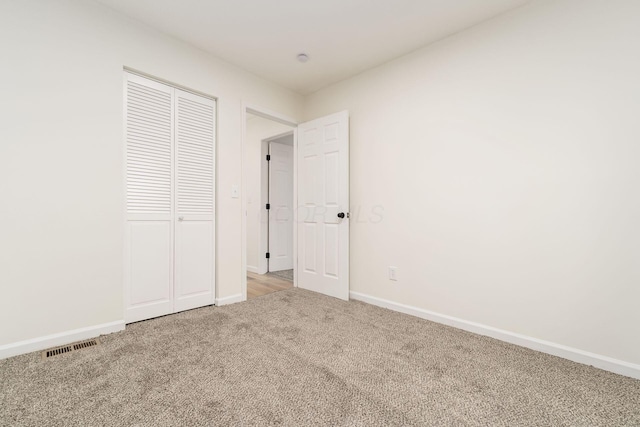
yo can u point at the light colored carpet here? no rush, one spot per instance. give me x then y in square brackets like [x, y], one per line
[295, 358]
[284, 274]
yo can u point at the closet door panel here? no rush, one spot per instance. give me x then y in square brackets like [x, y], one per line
[194, 264]
[149, 133]
[195, 200]
[149, 251]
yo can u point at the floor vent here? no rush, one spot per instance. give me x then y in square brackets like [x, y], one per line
[57, 351]
[69, 348]
[85, 344]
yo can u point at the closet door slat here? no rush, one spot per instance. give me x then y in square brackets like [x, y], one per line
[149, 131]
[195, 126]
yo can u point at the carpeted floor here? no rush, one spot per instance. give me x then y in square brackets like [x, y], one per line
[284, 274]
[295, 358]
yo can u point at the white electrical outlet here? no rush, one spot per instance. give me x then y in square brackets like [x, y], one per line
[393, 273]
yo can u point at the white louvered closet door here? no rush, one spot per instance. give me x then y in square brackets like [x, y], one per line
[194, 208]
[170, 149]
[149, 188]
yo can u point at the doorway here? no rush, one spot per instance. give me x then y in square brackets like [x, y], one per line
[321, 215]
[280, 206]
[269, 191]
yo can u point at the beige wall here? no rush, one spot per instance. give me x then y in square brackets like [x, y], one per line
[61, 158]
[505, 161]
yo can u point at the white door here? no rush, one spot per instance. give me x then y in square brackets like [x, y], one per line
[194, 207]
[170, 181]
[281, 207]
[323, 205]
[149, 216]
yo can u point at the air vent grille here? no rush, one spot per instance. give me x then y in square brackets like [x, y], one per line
[85, 344]
[57, 351]
[69, 348]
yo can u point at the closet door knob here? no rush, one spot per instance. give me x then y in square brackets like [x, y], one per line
[180, 218]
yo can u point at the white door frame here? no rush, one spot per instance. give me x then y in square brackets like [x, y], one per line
[277, 117]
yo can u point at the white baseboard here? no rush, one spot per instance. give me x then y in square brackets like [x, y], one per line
[252, 269]
[229, 300]
[603, 362]
[62, 338]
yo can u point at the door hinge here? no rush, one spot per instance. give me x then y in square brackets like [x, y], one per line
[268, 255]
[268, 206]
[268, 157]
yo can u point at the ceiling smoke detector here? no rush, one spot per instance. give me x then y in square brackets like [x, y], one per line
[302, 57]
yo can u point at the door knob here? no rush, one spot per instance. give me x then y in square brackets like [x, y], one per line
[180, 218]
[341, 215]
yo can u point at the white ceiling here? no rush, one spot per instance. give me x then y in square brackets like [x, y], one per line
[341, 37]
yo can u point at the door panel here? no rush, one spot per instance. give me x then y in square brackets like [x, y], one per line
[310, 171]
[194, 264]
[149, 270]
[331, 250]
[332, 179]
[149, 133]
[281, 212]
[309, 246]
[195, 159]
[149, 181]
[323, 192]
